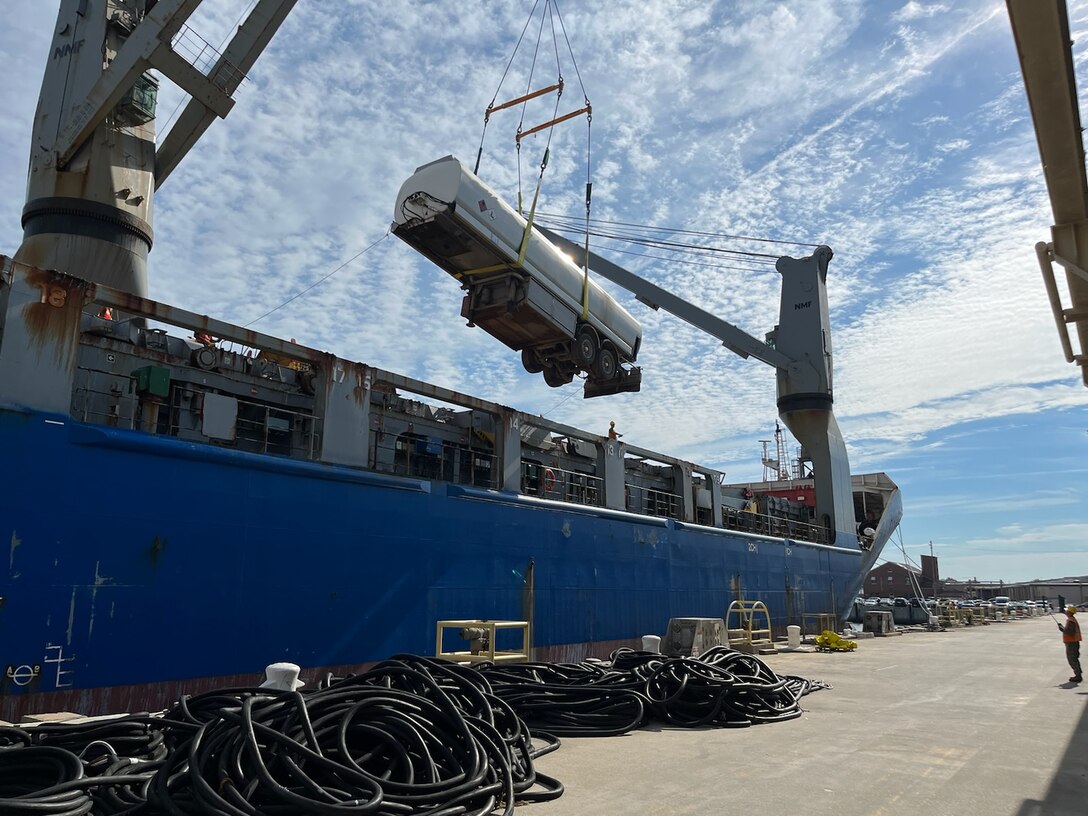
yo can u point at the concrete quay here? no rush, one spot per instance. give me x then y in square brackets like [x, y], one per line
[976, 721]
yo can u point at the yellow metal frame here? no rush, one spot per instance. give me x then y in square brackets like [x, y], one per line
[492, 627]
[746, 633]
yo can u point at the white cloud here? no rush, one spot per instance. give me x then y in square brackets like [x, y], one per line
[918, 11]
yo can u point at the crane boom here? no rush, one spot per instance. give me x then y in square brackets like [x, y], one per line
[94, 168]
[1041, 31]
[800, 354]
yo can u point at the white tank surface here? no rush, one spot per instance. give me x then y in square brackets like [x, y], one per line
[449, 215]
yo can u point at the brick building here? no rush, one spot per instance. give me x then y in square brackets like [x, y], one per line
[894, 580]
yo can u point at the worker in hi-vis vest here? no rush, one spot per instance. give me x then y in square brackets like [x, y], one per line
[1071, 639]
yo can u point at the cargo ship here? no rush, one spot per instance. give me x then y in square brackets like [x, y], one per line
[186, 501]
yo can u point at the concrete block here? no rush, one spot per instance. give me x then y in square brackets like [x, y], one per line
[878, 622]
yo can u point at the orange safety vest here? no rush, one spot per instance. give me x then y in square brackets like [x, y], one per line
[1072, 630]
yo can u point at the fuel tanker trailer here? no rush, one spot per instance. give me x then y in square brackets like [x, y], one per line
[519, 286]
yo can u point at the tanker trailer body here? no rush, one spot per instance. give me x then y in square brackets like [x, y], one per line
[533, 306]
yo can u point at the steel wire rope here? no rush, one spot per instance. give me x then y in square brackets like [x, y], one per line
[759, 264]
[662, 244]
[318, 282]
[572, 392]
[686, 261]
[571, 224]
[555, 14]
[525, 104]
[509, 62]
[691, 250]
[676, 230]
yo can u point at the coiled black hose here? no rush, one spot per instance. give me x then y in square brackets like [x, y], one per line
[722, 687]
[11, 736]
[100, 743]
[42, 780]
[413, 735]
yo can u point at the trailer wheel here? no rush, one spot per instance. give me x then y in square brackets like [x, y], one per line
[585, 347]
[555, 377]
[605, 366]
[530, 361]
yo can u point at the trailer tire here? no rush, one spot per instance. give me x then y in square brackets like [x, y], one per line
[586, 347]
[555, 377]
[606, 365]
[530, 361]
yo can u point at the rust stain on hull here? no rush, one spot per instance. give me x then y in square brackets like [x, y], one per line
[54, 319]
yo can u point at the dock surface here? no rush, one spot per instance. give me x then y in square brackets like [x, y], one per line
[978, 720]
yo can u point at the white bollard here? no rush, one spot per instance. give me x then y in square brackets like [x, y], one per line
[282, 677]
[793, 637]
[651, 643]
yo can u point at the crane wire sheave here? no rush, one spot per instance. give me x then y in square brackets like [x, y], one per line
[549, 15]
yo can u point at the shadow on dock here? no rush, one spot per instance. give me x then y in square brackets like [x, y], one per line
[1066, 795]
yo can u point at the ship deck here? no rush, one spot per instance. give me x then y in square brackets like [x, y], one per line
[968, 721]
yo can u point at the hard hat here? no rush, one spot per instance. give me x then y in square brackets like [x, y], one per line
[1071, 610]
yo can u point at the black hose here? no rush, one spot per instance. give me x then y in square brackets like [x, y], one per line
[412, 735]
[722, 687]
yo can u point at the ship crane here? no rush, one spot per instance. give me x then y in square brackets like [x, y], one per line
[1041, 30]
[799, 350]
[94, 166]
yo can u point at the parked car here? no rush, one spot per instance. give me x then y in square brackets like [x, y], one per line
[900, 602]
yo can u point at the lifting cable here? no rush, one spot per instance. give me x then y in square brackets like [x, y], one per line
[550, 14]
[692, 247]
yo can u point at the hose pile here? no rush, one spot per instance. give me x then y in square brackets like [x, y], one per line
[722, 687]
[414, 735]
[571, 700]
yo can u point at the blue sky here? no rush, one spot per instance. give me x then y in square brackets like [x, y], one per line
[896, 133]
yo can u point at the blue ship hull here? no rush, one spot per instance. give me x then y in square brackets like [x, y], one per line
[135, 559]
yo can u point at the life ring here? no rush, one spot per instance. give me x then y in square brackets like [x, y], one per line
[549, 480]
